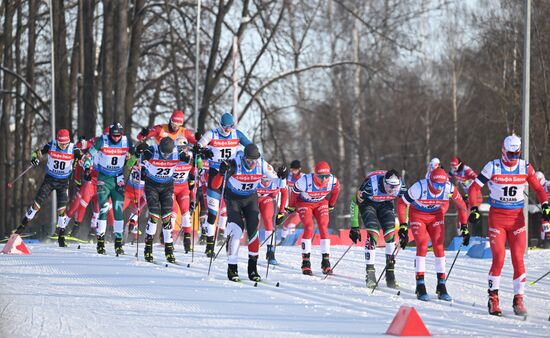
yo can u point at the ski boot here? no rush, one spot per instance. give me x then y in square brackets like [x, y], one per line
[209, 246]
[61, 237]
[169, 252]
[253, 269]
[493, 304]
[101, 244]
[325, 265]
[75, 229]
[306, 265]
[421, 289]
[371, 276]
[519, 307]
[233, 273]
[441, 290]
[390, 272]
[118, 245]
[270, 255]
[187, 242]
[148, 252]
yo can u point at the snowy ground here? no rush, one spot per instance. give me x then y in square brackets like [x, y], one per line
[69, 292]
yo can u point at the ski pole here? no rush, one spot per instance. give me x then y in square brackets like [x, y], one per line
[225, 241]
[219, 210]
[196, 206]
[454, 260]
[273, 233]
[339, 259]
[394, 254]
[138, 211]
[10, 184]
[541, 277]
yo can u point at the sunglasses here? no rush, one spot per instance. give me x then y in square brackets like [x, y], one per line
[323, 176]
[250, 162]
[513, 156]
[438, 186]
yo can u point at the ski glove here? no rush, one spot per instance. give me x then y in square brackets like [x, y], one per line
[545, 211]
[403, 235]
[144, 132]
[280, 218]
[87, 163]
[34, 159]
[224, 167]
[290, 209]
[282, 172]
[355, 235]
[141, 148]
[192, 206]
[330, 208]
[465, 233]
[475, 217]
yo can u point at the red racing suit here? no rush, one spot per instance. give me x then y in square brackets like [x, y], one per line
[506, 221]
[293, 219]
[183, 194]
[313, 201]
[427, 220]
[267, 193]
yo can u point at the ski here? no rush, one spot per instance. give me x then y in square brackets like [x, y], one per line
[72, 239]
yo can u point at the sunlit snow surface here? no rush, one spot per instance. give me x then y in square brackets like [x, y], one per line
[61, 292]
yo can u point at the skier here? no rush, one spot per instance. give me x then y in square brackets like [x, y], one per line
[160, 164]
[544, 225]
[428, 201]
[310, 197]
[267, 195]
[243, 174]
[374, 199]
[61, 154]
[434, 164]
[463, 176]
[222, 143]
[110, 153]
[507, 177]
[184, 194]
[134, 198]
[293, 219]
[86, 182]
[173, 129]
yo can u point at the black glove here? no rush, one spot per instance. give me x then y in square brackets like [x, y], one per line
[545, 211]
[192, 206]
[144, 132]
[282, 172]
[465, 233]
[330, 208]
[475, 217]
[290, 209]
[280, 218]
[207, 153]
[35, 161]
[403, 235]
[141, 148]
[87, 175]
[224, 167]
[184, 156]
[355, 235]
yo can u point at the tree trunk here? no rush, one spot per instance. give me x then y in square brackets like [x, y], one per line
[87, 119]
[133, 60]
[61, 70]
[120, 40]
[355, 112]
[7, 85]
[107, 86]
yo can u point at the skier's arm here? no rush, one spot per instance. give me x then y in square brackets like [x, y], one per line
[474, 192]
[354, 212]
[334, 194]
[190, 137]
[412, 194]
[243, 139]
[535, 185]
[206, 138]
[218, 179]
[148, 133]
[284, 198]
[460, 206]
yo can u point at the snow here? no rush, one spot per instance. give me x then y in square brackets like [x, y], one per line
[60, 292]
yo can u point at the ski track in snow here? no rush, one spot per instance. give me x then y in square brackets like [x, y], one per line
[62, 292]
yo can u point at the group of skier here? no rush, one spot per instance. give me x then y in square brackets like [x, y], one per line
[225, 170]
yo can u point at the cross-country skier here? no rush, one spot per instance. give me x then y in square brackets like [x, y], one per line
[184, 194]
[112, 151]
[243, 174]
[434, 164]
[463, 176]
[174, 129]
[544, 225]
[134, 198]
[293, 219]
[267, 195]
[310, 197]
[374, 199]
[160, 164]
[223, 143]
[61, 155]
[428, 201]
[507, 177]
